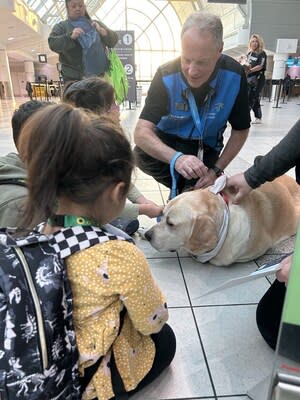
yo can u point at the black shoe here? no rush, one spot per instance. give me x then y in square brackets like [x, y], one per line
[130, 226]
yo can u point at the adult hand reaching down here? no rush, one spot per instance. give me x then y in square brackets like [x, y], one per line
[282, 275]
[190, 167]
[238, 187]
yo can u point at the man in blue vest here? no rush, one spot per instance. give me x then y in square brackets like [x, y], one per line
[188, 105]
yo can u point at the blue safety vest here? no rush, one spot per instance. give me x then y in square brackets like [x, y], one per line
[213, 114]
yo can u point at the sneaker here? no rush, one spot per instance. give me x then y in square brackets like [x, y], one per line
[130, 226]
[257, 121]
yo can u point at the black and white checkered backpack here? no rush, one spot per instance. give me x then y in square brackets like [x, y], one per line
[38, 352]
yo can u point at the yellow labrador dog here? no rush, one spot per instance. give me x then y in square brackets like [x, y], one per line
[203, 224]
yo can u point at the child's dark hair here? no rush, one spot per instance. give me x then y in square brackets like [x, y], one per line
[93, 93]
[72, 153]
[21, 115]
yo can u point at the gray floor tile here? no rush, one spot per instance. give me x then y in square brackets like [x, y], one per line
[237, 355]
[147, 185]
[200, 278]
[167, 272]
[187, 376]
[233, 398]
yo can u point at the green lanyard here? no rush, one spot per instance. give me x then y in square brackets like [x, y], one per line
[68, 221]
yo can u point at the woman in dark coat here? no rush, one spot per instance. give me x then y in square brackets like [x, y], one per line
[81, 43]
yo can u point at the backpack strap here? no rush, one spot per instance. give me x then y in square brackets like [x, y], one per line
[13, 181]
[70, 240]
[76, 238]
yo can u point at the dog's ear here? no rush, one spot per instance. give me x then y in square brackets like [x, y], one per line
[204, 235]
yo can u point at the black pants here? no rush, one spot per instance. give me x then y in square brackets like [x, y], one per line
[297, 172]
[254, 92]
[160, 171]
[165, 348]
[268, 313]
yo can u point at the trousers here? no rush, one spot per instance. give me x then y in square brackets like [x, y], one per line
[268, 312]
[165, 348]
[160, 171]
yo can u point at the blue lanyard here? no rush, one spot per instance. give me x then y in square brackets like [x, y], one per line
[195, 113]
[200, 124]
[200, 128]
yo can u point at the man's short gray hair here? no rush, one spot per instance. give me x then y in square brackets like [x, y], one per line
[204, 21]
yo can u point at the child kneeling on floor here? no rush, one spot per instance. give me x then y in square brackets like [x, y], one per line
[79, 172]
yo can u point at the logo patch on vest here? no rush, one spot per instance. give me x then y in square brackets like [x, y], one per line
[182, 106]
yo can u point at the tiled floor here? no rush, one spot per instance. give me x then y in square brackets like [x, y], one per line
[220, 353]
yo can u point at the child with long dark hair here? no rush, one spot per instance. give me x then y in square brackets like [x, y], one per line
[97, 95]
[79, 172]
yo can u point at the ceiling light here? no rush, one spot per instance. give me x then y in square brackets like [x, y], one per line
[10, 38]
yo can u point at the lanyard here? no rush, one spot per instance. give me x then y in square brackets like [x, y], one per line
[195, 113]
[199, 123]
[200, 128]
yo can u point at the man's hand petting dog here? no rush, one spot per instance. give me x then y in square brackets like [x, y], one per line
[190, 167]
[206, 180]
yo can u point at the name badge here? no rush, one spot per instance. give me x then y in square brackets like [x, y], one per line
[181, 106]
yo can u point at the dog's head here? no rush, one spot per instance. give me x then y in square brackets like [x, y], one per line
[190, 221]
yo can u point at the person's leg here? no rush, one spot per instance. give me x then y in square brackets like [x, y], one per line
[297, 172]
[251, 97]
[165, 348]
[257, 95]
[159, 170]
[257, 108]
[268, 312]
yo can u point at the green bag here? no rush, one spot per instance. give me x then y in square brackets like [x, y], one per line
[117, 76]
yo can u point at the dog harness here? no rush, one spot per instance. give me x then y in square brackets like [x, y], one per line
[218, 186]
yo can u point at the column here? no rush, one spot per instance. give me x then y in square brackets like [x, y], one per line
[279, 65]
[284, 47]
[5, 76]
[29, 71]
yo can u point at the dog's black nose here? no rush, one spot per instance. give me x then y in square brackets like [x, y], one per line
[148, 235]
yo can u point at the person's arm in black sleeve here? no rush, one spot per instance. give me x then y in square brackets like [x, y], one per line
[60, 38]
[277, 161]
[240, 122]
[239, 117]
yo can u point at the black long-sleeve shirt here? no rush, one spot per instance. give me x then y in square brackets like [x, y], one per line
[284, 156]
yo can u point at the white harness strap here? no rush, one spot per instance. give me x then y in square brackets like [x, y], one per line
[222, 236]
[219, 185]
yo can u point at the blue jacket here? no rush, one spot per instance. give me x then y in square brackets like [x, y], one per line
[213, 114]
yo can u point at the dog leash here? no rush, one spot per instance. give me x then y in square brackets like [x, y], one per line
[200, 128]
[174, 175]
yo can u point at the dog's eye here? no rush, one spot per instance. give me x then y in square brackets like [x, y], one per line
[169, 223]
